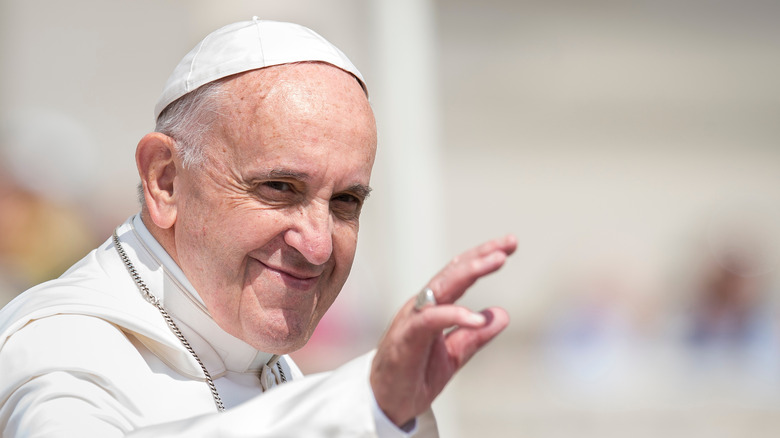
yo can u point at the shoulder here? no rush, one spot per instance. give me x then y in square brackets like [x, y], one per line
[95, 287]
[98, 373]
[65, 342]
[75, 344]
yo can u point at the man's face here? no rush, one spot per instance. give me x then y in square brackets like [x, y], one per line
[266, 228]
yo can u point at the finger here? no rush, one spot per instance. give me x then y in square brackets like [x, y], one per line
[435, 319]
[423, 327]
[463, 271]
[463, 342]
[506, 244]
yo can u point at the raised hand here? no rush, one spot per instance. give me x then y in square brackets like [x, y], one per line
[415, 358]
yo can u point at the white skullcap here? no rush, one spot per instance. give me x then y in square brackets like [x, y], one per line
[249, 45]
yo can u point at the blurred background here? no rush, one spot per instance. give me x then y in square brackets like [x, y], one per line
[632, 146]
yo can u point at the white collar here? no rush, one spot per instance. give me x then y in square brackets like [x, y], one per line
[219, 351]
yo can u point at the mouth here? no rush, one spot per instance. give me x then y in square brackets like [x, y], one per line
[292, 278]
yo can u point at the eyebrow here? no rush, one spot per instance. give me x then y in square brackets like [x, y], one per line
[285, 173]
[360, 190]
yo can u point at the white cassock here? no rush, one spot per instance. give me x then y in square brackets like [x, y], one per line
[86, 355]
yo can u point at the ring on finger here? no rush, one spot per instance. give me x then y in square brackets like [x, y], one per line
[424, 299]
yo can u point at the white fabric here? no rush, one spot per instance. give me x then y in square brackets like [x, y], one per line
[245, 46]
[85, 355]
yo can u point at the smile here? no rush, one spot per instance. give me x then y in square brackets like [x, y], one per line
[293, 280]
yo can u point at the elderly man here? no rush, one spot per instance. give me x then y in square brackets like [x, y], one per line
[252, 188]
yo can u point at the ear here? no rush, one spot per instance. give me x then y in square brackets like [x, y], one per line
[154, 158]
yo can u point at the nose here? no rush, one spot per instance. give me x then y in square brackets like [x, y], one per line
[312, 233]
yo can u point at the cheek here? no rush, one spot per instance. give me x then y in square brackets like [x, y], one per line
[213, 248]
[243, 230]
[344, 246]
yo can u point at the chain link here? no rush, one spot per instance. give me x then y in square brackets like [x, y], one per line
[281, 373]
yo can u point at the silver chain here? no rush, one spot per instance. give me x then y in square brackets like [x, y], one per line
[282, 377]
[153, 300]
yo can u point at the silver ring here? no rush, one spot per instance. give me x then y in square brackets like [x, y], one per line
[424, 299]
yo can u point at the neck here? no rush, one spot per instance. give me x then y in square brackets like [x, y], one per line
[165, 236]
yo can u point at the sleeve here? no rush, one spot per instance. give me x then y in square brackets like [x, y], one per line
[79, 389]
[422, 426]
[335, 404]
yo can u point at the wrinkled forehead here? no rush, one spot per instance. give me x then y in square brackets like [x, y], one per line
[306, 102]
[311, 83]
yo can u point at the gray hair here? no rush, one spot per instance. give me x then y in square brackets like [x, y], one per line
[189, 120]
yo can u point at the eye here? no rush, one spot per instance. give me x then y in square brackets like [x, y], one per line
[347, 198]
[277, 192]
[279, 186]
[346, 206]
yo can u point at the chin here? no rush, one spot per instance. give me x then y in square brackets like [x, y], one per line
[285, 346]
[282, 340]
